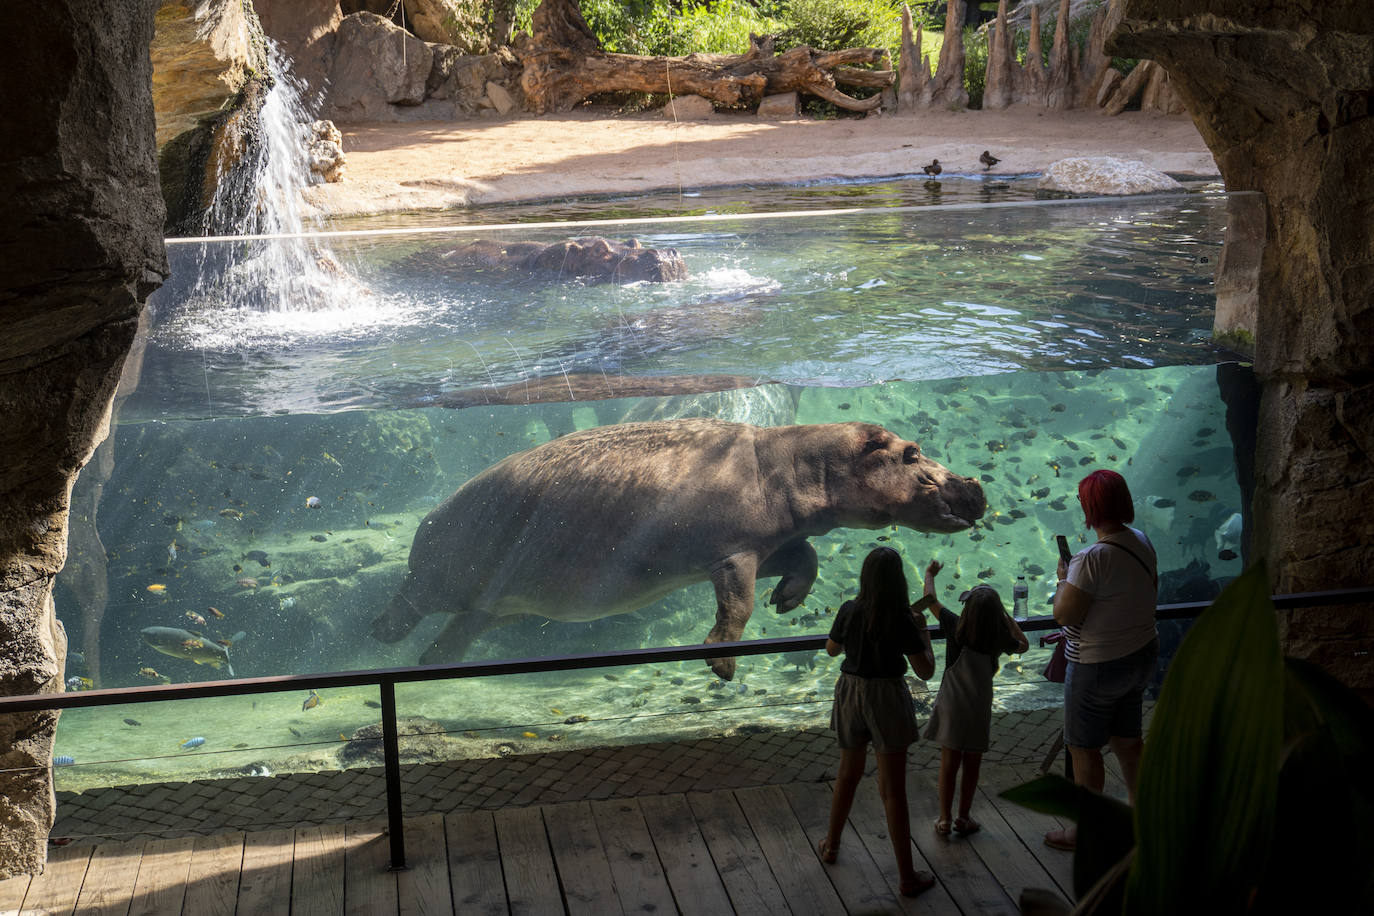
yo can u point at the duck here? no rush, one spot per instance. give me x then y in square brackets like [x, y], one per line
[933, 168]
[988, 160]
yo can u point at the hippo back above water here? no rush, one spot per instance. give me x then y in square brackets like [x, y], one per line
[593, 258]
[609, 520]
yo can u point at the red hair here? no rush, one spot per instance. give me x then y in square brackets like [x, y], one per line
[1106, 499]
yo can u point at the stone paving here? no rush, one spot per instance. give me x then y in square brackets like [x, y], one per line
[298, 799]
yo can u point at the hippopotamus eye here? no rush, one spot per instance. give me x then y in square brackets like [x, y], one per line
[912, 454]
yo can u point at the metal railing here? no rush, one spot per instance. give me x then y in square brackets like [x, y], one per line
[386, 679]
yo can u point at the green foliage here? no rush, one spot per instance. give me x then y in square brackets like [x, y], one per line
[1254, 792]
[722, 27]
[835, 24]
[975, 65]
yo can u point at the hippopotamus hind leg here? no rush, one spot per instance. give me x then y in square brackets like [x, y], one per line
[797, 563]
[733, 578]
[453, 640]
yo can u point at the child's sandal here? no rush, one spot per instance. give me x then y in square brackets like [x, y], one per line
[942, 827]
[966, 825]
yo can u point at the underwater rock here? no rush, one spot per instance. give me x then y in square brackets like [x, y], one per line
[421, 739]
[1104, 175]
[608, 520]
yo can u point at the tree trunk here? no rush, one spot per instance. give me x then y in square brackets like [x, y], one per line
[564, 64]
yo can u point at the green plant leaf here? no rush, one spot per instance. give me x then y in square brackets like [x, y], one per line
[1105, 833]
[1325, 831]
[1208, 789]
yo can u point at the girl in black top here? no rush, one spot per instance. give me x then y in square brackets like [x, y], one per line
[879, 632]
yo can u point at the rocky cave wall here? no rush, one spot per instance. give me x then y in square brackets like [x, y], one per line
[83, 249]
[1283, 95]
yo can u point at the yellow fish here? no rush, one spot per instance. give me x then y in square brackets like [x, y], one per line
[311, 701]
[157, 588]
[528, 735]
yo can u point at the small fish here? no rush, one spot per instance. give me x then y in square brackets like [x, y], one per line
[311, 701]
[172, 551]
[1227, 554]
[332, 460]
[573, 720]
[342, 736]
[1041, 493]
[1118, 443]
[1058, 504]
[134, 722]
[150, 673]
[1164, 503]
[555, 737]
[294, 731]
[216, 612]
[248, 582]
[372, 704]
[690, 700]
[610, 677]
[318, 538]
[1058, 408]
[195, 742]
[63, 760]
[79, 683]
[1205, 432]
[235, 514]
[1202, 496]
[313, 502]
[555, 710]
[157, 588]
[195, 618]
[76, 657]
[259, 556]
[528, 735]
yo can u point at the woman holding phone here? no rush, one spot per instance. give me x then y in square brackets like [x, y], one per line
[1105, 603]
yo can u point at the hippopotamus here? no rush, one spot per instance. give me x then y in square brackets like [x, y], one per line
[610, 519]
[593, 258]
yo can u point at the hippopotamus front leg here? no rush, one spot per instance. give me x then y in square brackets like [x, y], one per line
[453, 640]
[733, 578]
[797, 563]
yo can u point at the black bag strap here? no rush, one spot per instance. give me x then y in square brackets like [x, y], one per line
[1142, 563]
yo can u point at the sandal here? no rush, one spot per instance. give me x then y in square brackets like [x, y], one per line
[966, 825]
[918, 885]
[1060, 839]
[827, 852]
[942, 826]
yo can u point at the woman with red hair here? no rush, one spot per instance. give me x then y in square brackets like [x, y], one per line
[1105, 603]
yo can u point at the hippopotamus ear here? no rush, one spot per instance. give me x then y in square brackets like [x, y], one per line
[873, 438]
[633, 243]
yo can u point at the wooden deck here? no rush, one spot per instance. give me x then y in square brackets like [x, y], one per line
[731, 851]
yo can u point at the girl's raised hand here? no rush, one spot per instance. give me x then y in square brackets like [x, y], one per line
[933, 568]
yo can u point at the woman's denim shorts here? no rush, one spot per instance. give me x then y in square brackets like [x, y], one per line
[1104, 699]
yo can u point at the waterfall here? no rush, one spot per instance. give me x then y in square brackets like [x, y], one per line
[260, 194]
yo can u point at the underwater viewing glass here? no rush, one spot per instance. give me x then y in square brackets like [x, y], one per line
[296, 406]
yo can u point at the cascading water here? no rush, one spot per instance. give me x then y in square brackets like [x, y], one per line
[289, 282]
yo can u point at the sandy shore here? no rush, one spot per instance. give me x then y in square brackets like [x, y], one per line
[432, 165]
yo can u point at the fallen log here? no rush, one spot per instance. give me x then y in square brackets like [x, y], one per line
[565, 64]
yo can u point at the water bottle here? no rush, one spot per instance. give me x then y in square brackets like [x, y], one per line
[1019, 597]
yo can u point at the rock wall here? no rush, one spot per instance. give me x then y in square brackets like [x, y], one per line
[1283, 94]
[83, 248]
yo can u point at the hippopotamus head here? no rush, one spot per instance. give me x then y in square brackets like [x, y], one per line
[883, 479]
[600, 258]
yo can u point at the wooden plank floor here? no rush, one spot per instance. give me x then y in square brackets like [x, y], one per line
[746, 850]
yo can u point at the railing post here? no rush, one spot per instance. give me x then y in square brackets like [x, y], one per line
[391, 756]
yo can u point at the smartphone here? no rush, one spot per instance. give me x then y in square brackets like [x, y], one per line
[922, 603]
[1064, 553]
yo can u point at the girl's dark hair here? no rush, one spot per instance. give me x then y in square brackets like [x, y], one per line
[982, 626]
[882, 589]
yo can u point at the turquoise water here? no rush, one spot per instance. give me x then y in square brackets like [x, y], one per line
[275, 460]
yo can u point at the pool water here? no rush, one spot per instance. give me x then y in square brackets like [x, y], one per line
[288, 432]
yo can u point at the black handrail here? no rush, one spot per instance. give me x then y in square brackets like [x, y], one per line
[387, 678]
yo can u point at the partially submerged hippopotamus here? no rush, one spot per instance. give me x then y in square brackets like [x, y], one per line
[592, 258]
[608, 520]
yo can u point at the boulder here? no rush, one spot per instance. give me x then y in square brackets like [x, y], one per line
[451, 22]
[326, 153]
[498, 98]
[695, 108]
[202, 54]
[304, 30]
[1099, 175]
[781, 106]
[376, 65]
[463, 78]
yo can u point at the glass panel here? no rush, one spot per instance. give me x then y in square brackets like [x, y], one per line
[296, 407]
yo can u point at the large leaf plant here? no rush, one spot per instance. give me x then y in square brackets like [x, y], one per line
[1256, 791]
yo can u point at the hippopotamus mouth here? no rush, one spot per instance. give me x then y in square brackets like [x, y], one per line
[964, 503]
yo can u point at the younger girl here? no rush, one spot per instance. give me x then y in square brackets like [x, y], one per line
[878, 632]
[963, 708]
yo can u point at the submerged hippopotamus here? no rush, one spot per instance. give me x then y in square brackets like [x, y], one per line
[593, 258]
[608, 520]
